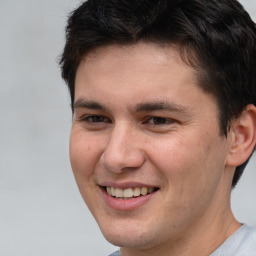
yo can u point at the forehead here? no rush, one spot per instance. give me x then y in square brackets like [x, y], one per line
[136, 58]
[160, 54]
[142, 71]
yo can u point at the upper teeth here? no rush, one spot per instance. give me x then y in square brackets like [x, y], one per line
[129, 192]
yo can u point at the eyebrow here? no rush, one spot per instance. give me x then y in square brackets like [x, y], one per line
[82, 103]
[140, 107]
[159, 105]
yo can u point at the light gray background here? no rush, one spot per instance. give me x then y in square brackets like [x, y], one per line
[41, 210]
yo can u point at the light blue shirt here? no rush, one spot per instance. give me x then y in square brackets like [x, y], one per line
[241, 243]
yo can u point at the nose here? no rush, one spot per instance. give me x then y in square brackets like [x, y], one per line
[122, 151]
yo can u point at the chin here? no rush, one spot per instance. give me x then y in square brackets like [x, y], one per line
[129, 241]
[128, 236]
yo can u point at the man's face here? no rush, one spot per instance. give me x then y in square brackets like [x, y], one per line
[145, 146]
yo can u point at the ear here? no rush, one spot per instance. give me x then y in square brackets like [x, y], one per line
[242, 137]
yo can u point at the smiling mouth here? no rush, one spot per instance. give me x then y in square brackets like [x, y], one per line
[129, 193]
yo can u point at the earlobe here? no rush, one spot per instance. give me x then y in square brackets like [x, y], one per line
[242, 137]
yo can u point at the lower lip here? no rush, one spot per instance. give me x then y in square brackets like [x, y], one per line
[126, 204]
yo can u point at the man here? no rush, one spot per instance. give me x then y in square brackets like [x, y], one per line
[163, 94]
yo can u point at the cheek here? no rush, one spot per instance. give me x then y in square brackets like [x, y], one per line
[187, 161]
[173, 155]
[84, 154]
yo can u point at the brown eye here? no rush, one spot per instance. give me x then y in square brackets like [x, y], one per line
[158, 121]
[96, 119]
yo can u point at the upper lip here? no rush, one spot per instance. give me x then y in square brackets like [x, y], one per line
[124, 185]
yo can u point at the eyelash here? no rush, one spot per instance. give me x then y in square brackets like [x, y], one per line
[87, 118]
[96, 120]
[167, 121]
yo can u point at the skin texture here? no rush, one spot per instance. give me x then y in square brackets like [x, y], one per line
[120, 135]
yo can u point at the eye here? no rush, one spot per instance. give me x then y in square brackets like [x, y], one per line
[159, 121]
[96, 119]
[159, 124]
